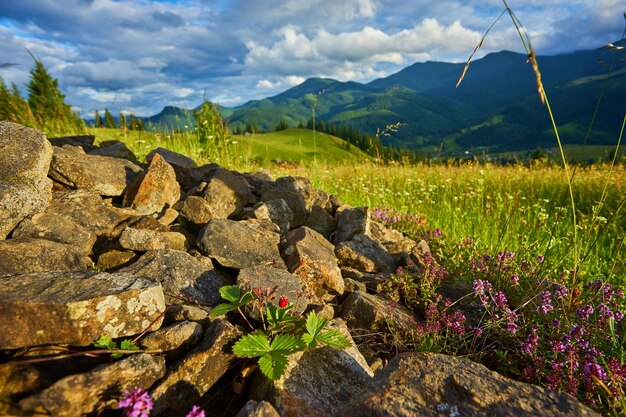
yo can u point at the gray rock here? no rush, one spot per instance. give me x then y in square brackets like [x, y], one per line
[351, 221]
[321, 221]
[281, 284]
[191, 377]
[173, 340]
[277, 211]
[240, 244]
[394, 242]
[24, 185]
[153, 190]
[364, 254]
[227, 193]
[115, 149]
[98, 389]
[172, 158]
[257, 409]
[182, 276]
[56, 227]
[297, 192]
[83, 141]
[372, 313]
[427, 384]
[311, 257]
[195, 212]
[85, 208]
[76, 170]
[21, 256]
[76, 308]
[146, 239]
[316, 382]
[185, 312]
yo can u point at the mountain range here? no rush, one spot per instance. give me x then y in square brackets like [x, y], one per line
[495, 109]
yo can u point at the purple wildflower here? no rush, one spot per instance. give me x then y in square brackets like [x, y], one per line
[546, 305]
[136, 403]
[584, 312]
[531, 342]
[541, 258]
[437, 233]
[515, 279]
[500, 300]
[196, 412]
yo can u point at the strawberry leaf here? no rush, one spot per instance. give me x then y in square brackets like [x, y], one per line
[252, 345]
[231, 293]
[333, 338]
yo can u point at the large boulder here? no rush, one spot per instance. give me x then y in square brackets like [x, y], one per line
[21, 256]
[240, 244]
[25, 189]
[76, 308]
[96, 390]
[153, 190]
[183, 277]
[77, 170]
[311, 257]
[427, 384]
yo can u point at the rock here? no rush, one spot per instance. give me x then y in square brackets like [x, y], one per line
[372, 313]
[394, 242]
[351, 222]
[98, 389]
[168, 217]
[364, 254]
[183, 277]
[155, 189]
[317, 381]
[173, 340]
[58, 228]
[427, 384]
[83, 141]
[321, 221]
[77, 170]
[24, 185]
[311, 257]
[257, 409]
[191, 377]
[76, 307]
[21, 256]
[195, 212]
[352, 285]
[239, 244]
[184, 312]
[85, 208]
[277, 211]
[227, 194]
[183, 166]
[114, 259]
[297, 192]
[115, 149]
[146, 239]
[281, 284]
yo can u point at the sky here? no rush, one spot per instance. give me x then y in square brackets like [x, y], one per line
[137, 56]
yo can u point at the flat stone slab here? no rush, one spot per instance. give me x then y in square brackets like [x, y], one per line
[76, 308]
[25, 189]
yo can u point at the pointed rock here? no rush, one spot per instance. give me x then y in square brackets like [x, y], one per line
[153, 190]
[24, 185]
[76, 308]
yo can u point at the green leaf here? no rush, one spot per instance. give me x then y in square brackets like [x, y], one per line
[314, 325]
[105, 342]
[286, 344]
[334, 338]
[231, 293]
[222, 309]
[273, 364]
[251, 346]
[128, 344]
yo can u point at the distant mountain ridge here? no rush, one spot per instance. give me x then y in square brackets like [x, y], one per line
[496, 108]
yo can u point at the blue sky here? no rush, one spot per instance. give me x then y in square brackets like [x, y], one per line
[140, 55]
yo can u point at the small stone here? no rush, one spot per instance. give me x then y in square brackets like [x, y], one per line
[145, 239]
[114, 259]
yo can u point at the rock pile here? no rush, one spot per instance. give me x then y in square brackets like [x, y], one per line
[93, 243]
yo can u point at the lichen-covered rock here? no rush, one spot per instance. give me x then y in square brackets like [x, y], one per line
[114, 259]
[181, 275]
[394, 242]
[318, 381]
[24, 185]
[321, 221]
[115, 149]
[364, 254]
[83, 141]
[195, 212]
[76, 307]
[22, 256]
[52, 226]
[240, 244]
[98, 389]
[183, 165]
[153, 190]
[351, 221]
[77, 170]
[277, 211]
[146, 239]
[311, 257]
[372, 313]
[434, 385]
[191, 377]
[173, 340]
[85, 208]
[227, 193]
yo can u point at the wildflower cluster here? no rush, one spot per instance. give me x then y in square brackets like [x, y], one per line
[138, 403]
[412, 225]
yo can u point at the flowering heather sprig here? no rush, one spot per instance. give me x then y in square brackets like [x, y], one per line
[531, 342]
[196, 412]
[546, 303]
[137, 403]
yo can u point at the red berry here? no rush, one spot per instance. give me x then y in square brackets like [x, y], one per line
[283, 302]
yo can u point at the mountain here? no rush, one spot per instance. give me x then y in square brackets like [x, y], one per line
[495, 109]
